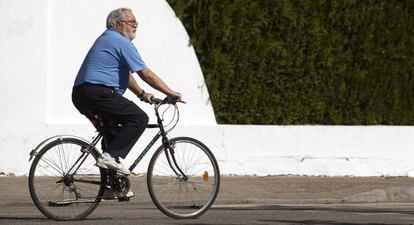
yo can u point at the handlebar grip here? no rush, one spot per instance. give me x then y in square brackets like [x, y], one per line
[166, 100]
[156, 100]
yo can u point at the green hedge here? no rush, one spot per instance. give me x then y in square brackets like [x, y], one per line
[305, 61]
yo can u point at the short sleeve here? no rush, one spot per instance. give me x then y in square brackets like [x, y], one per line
[132, 57]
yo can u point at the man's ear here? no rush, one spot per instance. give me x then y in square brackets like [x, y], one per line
[118, 26]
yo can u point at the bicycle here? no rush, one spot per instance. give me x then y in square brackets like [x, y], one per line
[183, 176]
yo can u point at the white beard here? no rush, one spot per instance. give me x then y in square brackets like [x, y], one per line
[131, 36]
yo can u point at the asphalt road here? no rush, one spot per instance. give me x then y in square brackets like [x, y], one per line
[246, 200]
[134, 213]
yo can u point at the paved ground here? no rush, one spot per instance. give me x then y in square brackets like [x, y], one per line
[248, 200]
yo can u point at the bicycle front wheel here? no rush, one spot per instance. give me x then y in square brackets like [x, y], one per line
[183, 181]
[64, 183]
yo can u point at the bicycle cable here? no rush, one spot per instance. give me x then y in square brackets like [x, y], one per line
[174, 120]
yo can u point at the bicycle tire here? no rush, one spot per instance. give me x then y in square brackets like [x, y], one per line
[201, 186]
[50, 167]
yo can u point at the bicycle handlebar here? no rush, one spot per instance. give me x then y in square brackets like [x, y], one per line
[166, 100]
[176, 116]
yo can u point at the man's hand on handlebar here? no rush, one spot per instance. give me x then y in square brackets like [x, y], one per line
[166, 100]
[147, 97]
[174, 97]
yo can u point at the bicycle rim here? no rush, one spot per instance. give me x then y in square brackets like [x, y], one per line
[187, 196]
[57, 191]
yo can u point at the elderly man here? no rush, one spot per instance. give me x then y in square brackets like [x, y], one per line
[104, 76]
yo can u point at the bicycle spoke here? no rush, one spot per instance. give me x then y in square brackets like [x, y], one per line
[184, 196]
[59, 193]
[53, 165]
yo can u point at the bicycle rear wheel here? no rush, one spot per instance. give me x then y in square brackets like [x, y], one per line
[183, 196]
[64, 183]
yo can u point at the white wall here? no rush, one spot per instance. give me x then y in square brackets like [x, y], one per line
[299, 150]
[74, 25]
[43, 43]
[22, 81]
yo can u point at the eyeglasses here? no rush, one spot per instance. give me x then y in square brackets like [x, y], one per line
[132, 23]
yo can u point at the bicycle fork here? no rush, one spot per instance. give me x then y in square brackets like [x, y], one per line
[169, 150]
[170, 155]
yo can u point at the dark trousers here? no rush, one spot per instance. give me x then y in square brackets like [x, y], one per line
[104, 101]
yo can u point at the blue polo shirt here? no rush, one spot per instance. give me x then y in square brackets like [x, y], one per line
[109, 62]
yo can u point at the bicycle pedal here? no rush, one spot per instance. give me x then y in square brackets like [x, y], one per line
[126, 197]
[108, 195]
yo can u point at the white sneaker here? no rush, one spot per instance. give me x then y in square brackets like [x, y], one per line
[100, 163]
[123, 198]
[110, 163]
[130, 194]
[110, 195]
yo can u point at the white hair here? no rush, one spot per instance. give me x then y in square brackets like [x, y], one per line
[115, 16]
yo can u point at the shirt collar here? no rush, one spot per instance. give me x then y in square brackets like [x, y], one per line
[115, 30]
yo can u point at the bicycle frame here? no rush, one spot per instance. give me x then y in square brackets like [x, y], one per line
[165, 141]
[66, 167]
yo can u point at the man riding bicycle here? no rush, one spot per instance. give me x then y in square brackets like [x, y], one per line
[104, 76]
